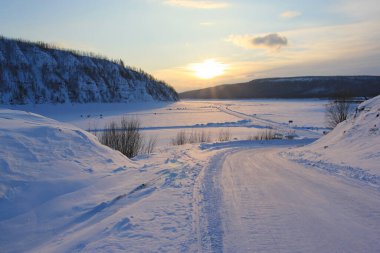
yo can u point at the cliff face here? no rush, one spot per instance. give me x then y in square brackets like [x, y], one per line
[39, 73]
[293, 87]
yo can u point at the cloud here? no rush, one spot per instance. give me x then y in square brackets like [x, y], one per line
[197, 4]
[269, 41]
[290, 14]
[206, 23]
[344, 49]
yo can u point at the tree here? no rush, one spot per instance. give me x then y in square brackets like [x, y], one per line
[121, 63]
[337, 111]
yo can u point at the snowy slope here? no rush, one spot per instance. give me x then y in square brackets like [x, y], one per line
[352, 148]
[38, 73]
[62, 191]
[41, 158]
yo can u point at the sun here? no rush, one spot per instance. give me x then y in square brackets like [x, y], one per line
[208, 69]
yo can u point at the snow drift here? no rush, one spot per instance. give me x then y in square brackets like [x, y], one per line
[352, 148]
[41, 158]
[62, 191]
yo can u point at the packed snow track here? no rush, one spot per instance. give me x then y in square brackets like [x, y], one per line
[258, 201]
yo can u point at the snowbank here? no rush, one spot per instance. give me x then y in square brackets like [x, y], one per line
[62, 191]
[352, 148]
[41, 158]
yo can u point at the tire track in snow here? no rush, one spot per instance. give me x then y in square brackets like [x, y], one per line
[208, 193]
[269, 204]
[210, 233]
[281, 127]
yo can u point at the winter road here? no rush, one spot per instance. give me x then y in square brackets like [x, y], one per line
[260, 202]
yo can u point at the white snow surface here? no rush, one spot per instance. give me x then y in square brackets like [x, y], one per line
[265, 203]
[62, 191]
[243, 118]
[352, 148]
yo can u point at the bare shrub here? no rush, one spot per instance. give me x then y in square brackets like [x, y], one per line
[124, 136]
[92, 126]
[337, 111]
[149, 145]
[199, 136]
[204, 136]
[252, 138]
[195, 136]
[110, 135]
[291, 134]
[224, 135]
[180, 138]
[267, 134]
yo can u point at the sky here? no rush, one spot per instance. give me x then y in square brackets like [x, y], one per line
[194, 44]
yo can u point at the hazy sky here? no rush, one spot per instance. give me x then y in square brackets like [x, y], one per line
[193, 44]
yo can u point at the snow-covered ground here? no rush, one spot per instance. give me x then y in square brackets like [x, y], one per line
[62, 191]
[352, 148]
[264, 203]
[164, 120]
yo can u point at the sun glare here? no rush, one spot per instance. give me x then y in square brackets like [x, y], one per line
[209, 69]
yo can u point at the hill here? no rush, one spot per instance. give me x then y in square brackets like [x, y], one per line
[352, 148]
[292, 87]
[63, 191]
[41, 73]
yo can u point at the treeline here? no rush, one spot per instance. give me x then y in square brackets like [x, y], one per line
[293, 87]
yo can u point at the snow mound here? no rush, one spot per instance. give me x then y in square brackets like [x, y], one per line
[42, 158]
[62, 191]
[352, 148]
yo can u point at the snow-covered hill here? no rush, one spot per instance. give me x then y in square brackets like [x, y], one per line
[39, 73]
[41, 158]
[352, 148]
[62, 191]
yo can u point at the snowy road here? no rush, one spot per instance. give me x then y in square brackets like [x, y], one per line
[62, 191]
[260, 202]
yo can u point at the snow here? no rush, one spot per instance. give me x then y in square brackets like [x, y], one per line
[352, 148]
[269, 204]
[243, 117]
[34, 73]
[39, 153]
[63, 191]
[285, 110]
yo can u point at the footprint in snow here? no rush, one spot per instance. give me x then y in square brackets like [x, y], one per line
[120, 169]
[124, 225]
[89, 170]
